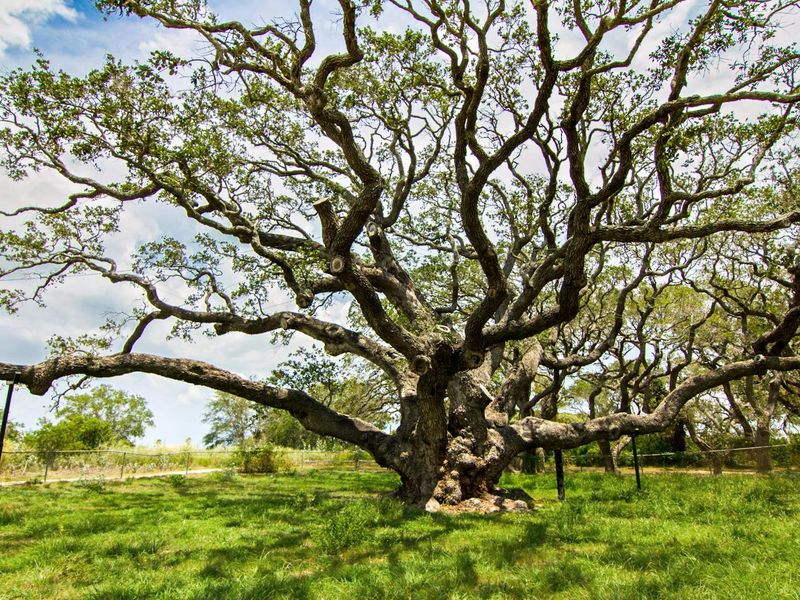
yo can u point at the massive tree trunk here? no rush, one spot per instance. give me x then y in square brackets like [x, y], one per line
[457, 455]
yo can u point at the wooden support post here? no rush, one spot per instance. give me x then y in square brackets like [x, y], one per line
[122, 467]
[559, 460]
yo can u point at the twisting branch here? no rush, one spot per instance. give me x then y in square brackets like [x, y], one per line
[314, 415]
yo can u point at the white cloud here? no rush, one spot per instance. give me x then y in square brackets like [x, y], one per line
[181, 43]
[17, 16]
[192, 396]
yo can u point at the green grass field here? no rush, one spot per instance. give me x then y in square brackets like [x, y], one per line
[338, 535]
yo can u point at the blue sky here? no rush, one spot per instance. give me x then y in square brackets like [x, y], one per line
[74, 37]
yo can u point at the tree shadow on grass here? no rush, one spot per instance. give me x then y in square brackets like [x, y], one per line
[260, 539]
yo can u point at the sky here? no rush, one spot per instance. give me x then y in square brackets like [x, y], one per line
[75, 38]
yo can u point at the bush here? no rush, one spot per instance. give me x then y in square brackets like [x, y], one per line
[177, 481]
[76, 432]
[92, 484]
[260, 459]
[227, 475]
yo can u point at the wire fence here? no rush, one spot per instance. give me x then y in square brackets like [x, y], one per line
[35, 467]
[780, 458]
[777, 457]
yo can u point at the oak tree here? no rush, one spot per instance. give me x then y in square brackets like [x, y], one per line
[470, 177]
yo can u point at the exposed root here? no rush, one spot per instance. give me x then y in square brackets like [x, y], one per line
[499, 501]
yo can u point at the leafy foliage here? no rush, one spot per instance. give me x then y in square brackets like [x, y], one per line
[259, 458]
[233, 420]
[74, 432]
[127, 414]
[101, 417]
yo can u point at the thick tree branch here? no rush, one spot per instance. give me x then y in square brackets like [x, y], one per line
[313, 415]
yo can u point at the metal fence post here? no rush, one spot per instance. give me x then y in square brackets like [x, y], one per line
[7, 409]
[46, 465]
[122, 468]
[559, 460]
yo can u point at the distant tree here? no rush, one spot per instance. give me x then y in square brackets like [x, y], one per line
[352, 389]
[127, 414]
[74, 432]
[14, 430]
[232, 420]
[756, 301]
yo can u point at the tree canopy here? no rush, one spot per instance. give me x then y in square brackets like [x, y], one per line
[102, 416]
[508, 195]
[127, 414]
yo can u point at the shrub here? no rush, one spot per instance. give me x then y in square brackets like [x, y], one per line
[260, 459]
[92, 484]
[227, 475]
[177, 481]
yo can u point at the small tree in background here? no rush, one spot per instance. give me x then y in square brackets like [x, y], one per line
[126, 414]
[75, 432]
[14, 431]
[232, 419]
[102, 416]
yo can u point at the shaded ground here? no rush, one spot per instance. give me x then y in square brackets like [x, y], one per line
[331, 535]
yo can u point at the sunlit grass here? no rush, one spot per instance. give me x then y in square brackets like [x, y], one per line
[338, 535]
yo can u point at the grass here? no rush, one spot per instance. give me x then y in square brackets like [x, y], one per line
[332, 535]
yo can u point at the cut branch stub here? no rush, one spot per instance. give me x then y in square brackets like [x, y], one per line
[304, 299]
[337, 265]
[421, 364]
[472, 358]
[328, 220]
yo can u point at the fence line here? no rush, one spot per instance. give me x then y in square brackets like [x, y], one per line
[28, 465]
[716, 450]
